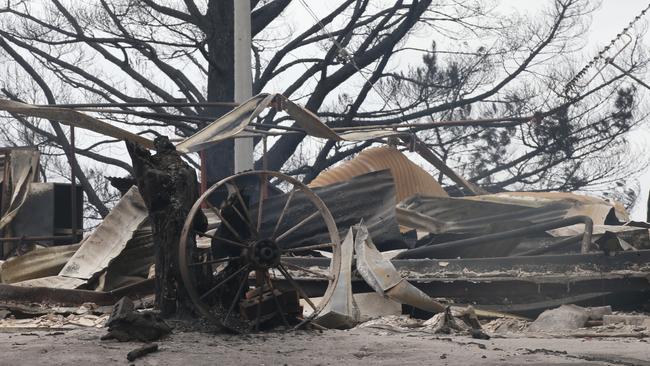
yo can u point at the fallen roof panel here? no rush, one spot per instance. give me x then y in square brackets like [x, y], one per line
[109, 238]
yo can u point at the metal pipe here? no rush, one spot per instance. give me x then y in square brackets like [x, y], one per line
[490, 122]
[430, 250]
[468, 122]
[36, 238]
[73, 187]
[550, 247]
[144, 104]
[625, 72]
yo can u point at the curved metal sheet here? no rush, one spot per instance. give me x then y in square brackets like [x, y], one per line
[109, 238]
[409, 178]
[227, 126]
[594, 207]
[370, 197]
[38, 263]
[71, 117]
[307, 120]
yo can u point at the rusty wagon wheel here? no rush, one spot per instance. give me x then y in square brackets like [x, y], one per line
[235, 273]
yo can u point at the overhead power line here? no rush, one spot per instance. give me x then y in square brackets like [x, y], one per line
[571, 85]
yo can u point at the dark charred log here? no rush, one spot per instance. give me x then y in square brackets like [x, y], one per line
[169, 188]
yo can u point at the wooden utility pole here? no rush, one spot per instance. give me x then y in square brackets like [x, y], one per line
[243, 78]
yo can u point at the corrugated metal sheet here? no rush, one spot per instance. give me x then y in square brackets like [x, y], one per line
[448, 219]
[40, 262]
[369, 197]
[235, 123]
[109, 239]
[53, 282]
[594, 207]
[445, 215]
[409, 178]
[133, 263]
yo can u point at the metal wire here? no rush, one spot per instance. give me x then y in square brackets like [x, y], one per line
[571, 85]
[345, 55]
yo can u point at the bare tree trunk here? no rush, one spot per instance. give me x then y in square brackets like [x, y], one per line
[169, 188]
[219, 160]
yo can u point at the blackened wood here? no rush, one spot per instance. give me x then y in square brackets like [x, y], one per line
[169, 188]
[142, 351]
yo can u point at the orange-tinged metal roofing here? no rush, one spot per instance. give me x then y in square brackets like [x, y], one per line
[409, 178]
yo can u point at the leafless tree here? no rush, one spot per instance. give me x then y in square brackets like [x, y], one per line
[345, 67]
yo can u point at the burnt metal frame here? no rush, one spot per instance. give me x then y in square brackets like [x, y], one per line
[73, 198]
[576, 278]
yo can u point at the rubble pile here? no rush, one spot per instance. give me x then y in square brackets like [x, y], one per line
[260, 250]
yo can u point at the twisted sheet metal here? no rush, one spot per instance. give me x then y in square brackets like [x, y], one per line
[109, 239]
[409, 178]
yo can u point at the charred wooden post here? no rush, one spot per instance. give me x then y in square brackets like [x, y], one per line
[169, 188]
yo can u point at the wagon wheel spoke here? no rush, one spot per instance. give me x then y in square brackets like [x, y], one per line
[230, 242]
[299, 268]
[245, 267]
[308, 247]
[297, 287]
[246, 217]
[298, 225]
[305, 321]
[262, 196]
[213, 261]
[224, 221]
[284, 210]
[236, 299]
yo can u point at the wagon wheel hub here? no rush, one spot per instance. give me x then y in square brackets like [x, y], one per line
[264, 254]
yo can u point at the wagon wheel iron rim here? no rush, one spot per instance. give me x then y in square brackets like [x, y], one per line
[260, 252]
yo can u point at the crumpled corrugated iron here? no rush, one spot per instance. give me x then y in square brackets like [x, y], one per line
[600, 210]
[370, 197]
[341, 312]
[98, 251]
[409, 178]
[235, 122]
[448, 219]
[40, 262]
[382, 276]
[228, 125]
[109, 238]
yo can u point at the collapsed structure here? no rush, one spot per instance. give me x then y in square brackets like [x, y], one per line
[271, 252]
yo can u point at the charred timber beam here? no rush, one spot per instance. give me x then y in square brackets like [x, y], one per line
[72, 297]
[570, 273]
[451, 268]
